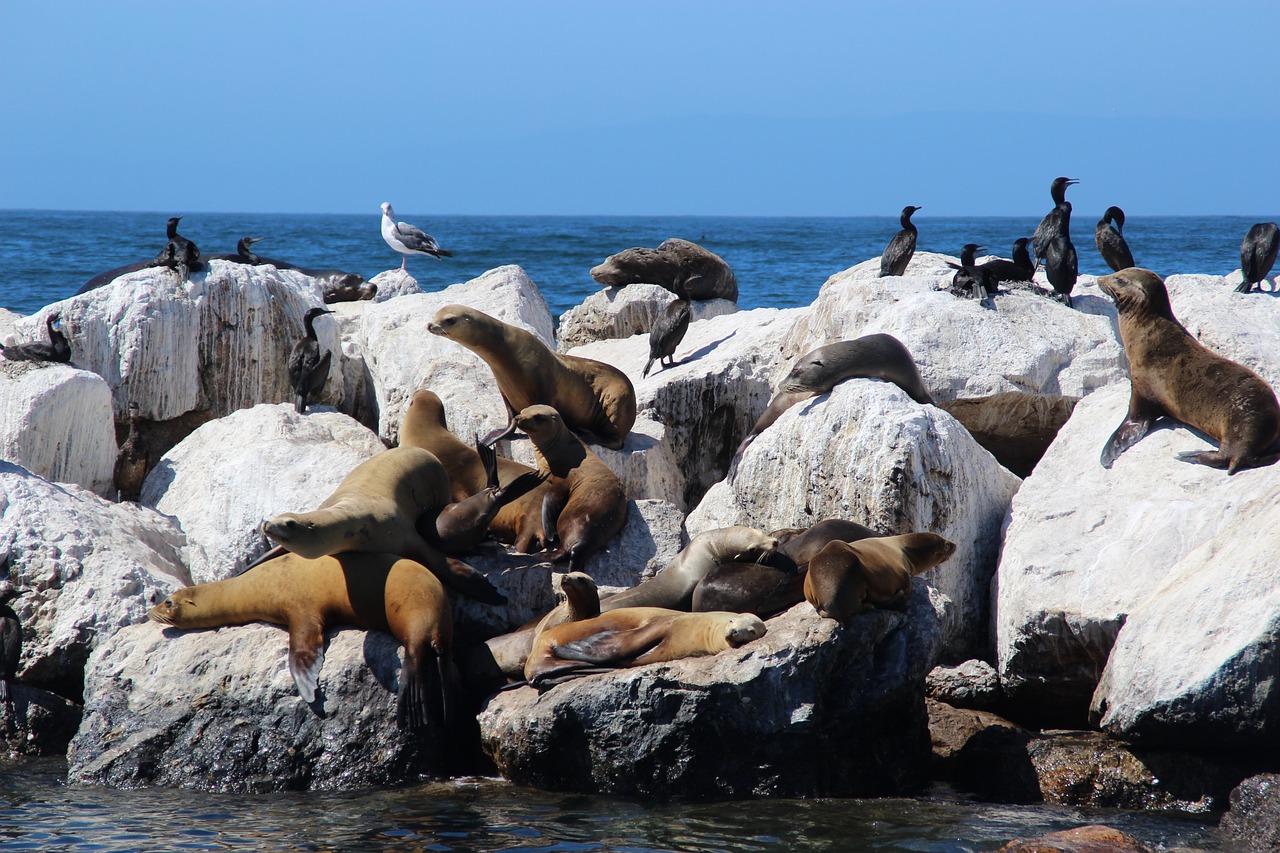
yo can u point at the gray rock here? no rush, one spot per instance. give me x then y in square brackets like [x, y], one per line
[627, 311]
[36, 722]
[972, 684]
[673, 259]
[1253, 820]
[393, 283]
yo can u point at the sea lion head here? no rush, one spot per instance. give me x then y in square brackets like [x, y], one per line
[179, 609]
[579, 588]
[541, 423]
[297, 533]
[425, 412]
[743, 628]
[926, 550]
[1137, 291]
[461, 324]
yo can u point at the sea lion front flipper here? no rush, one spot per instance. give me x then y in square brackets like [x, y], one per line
[553, 503]
[489, 460]
[1129, 433]
[306, 657]
[270, 554]
[455, 574]
[608, 646]
[519, 487]
[420, 702]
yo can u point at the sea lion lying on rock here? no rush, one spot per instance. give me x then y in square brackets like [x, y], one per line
[847, 578]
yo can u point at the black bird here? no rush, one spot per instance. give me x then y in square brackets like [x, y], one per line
[1061, 266]
[179, 253]
[1109, 235]
[669, 329]
[1056, 220]
[903, 245]
[244, 252]
[971, 277]
[1019, 269]
[131, 460]
[10, 642]
[1258, 254]
[308, 369]
[56, 350]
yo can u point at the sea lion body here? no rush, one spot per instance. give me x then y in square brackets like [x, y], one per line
[590, 395]
[803, 544]
[674, 260]
[748, 588]
[847, 578]
[634, 636]
[1173, 375]
[381, 592]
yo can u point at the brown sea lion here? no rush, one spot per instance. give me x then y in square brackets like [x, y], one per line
[802, 544]
[818, 371]
[1171, 374]
[377, 508]
[463, 525]
[847, 578]
[591, 396]
[381, 592]
[634, 636]
[673, 260]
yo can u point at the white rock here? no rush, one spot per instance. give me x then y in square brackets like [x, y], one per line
[86, 567]
[223, 480]
[868, 453]
[1242, 327]
[56, 422]
[1028, 343]
[620, 312]
[393, 283]
[9, 326]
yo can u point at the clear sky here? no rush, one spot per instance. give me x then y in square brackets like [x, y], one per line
[694, 107]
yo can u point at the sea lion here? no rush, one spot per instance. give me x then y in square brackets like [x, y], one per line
[377, 508]
[590, 395]
[818, 371]
[673, 587]
[673, 260]
[463, 525]
[846, 578]
[381, 592]
[803, 544]
[339, 286]
[1171, 374]
[634, 636]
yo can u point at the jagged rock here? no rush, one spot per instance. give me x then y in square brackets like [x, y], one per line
[222, 481]
[623, 312]
[868, 453]
[1094, 838]
[972, 684]
[350, 388]
[1028, 343]
[393, 283]
[56, 421]
[673, 259]
[1253, 820]
[85, 566]
[36, 722]
[8, 326]
[1078, 560]
[732, 725]
[218, 710]
[402, 356]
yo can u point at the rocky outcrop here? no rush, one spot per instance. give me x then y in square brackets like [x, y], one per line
[222, 481]
[393, 283]
[1253, 821]
[673, 260]
[1014, 427]
[869, 453]
[218, 710]
[732, 725]
[56, 421]
[972, 684]
[631, 310]
[36, 722]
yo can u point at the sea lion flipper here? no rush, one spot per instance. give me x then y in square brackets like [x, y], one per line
[469, 581]
[306, 657]
[270, 554]
[519, 487]
[489, 460]
[420, 701]
[553, 503]
[1129, 433]
[610, 645]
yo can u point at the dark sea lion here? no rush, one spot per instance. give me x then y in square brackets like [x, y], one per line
[381, 592]
[57, 350]
[1171, 374]
[463, 525]
[308, 368]
[339, 286]
[131, 459]
[847, 578]
[590, 395]
[757, 588]
[803, 544]
[818, 371]
[674, 260]
[105, 278]
[634, 636]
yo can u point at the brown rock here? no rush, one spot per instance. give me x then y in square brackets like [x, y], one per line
[1082, 839]
[1254, 818]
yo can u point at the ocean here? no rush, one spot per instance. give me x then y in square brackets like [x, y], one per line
[46, 256]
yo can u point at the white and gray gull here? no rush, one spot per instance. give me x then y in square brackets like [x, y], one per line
[407, 239]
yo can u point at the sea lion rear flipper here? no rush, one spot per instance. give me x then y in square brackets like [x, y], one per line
[488, 459]
[519, 487]
[556, 676]
[494, 436]
[306, 657]
[608, 646]
[458, 576]
[270, 554]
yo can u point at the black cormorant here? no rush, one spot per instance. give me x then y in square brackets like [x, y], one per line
[179, 253]
[1056, 220]
[1061, 266]
[57, 349]
[1110, 240]
[971, 278]
[903, 245]
[131, 460]
[669, 328]
[1019, 269]
[308, 369]
[1258, 254]
[10, 641]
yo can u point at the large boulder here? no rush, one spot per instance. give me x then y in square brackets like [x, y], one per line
[393, 283]
[631, 310]
[673, 260]
[218, 710]
[868, 453]
[56, 421]
[222, 481]
[86, 568]
[1242, 327]
[36, 722]
[733, 724]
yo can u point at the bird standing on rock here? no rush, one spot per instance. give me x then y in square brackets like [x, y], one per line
[1258, 254]
[407, 239]
[670, 327]
[179, 253]
[308, 369]
[1052, 242]
[902, 247]
[58, 349]
[10, 641]
[1108, 234]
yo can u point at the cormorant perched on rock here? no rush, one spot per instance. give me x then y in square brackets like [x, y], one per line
[1061, 265]
[131, 460]
[1056, 220]
[971, 278]
[903, 245]
[1258, 254]
[308, 369]
[244, 252]
[669, 329]
[406, 239]
[179, 253]
[1109, 235]
[10, 640]
[1019, 269]
[58, 349]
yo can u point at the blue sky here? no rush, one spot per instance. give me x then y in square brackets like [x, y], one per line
[739, 108]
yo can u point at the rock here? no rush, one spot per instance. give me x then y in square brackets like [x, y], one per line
[1242, 327]
[627, 311]
[1253, 820]
[1028, 343]
[673, 259]
[732, 725]
[86, 567]
[982, 754]
[1094, 838]
[393, 283]
[1014, 427]
[972, 684]
[350, 388]
[9, 326]
[868, 453]
[222, 481]
[56, 421]
[218, 710]
[1078, 561]
[36, 722]
[402, 356]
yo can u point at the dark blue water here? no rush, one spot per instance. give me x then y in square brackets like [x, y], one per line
[782, 262]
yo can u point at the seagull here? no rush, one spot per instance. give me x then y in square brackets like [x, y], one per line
[407, 239]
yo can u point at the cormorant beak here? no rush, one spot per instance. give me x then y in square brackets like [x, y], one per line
[252, 240]
[1071, 181]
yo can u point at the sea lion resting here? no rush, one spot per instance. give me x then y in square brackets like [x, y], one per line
[1171, 374]
[847, 578]
[381, 592]
[463, 525]
[634, 636]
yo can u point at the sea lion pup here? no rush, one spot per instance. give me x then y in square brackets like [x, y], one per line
[672, 588]
[847, 578]
[377, 508]
[590, 395]
[634, 636]
[818, 371]
[463, 525]
[1171, 374]
[381, 592]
